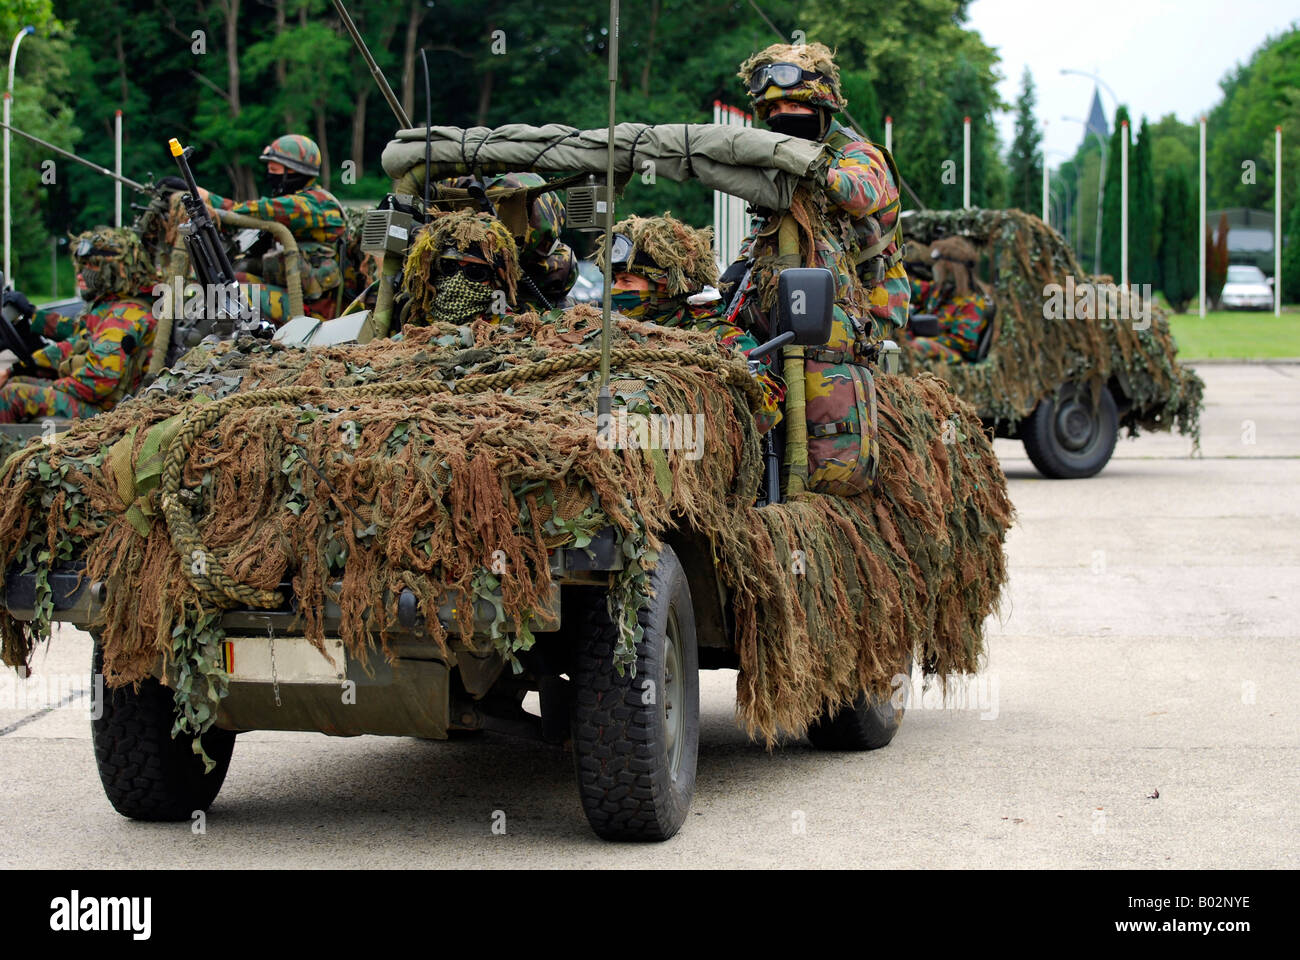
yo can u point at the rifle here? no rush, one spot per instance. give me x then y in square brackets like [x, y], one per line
[212, 266]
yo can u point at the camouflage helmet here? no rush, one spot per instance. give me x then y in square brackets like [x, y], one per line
[294, 151]
[821, 91]
[112, 261]
[546, 214]
[466, 236]
[664, 250]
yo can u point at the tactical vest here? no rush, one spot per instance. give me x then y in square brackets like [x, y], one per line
[839, 389]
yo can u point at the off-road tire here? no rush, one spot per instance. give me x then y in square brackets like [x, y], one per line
[1067, 438]
[621, 746]
[148, 774]
[864, 725]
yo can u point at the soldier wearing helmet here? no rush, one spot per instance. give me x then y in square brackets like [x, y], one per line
[661, 267]
[547, 264]
[462, 266]
[97, 358]
[313, 215]
[795, 90]
[957, 297]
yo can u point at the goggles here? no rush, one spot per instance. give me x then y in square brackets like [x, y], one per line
[473, 270]
[86, 248]
[783, 75]
[620, 253]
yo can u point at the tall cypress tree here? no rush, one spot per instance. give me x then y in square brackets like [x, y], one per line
[1142, 212]
[1025, 159]
[1110, 217]
[1291, 259]
[1179, 266]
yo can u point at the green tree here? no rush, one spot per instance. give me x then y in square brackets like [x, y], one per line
[1025, 161]
[1291, 258]
[1179, 262]
[1142, 224]
[1111, 252]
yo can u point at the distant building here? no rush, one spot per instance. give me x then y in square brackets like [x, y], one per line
[1097, 117]
[1250, 235]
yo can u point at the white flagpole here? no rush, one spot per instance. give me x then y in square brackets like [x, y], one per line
[889, 134]
[1277, 222]
[965, 162]
[117, 168]
[1123, 206]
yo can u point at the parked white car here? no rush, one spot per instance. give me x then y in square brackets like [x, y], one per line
[1246, 288]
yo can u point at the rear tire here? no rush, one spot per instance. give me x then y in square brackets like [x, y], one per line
[862, 725]
[1066, 438]
[148, 774]
[636, 760]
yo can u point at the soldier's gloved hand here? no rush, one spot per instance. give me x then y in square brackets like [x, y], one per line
[30, 337]
[17, 300]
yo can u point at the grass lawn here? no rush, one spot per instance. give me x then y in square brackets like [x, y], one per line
[1237, 333]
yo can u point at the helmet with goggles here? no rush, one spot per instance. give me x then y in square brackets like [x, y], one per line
[802, 73]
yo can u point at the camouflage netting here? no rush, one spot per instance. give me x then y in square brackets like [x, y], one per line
[1032, 354]
[406, 463]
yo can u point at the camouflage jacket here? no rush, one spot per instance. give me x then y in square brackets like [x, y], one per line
[961, 318]
[88, 350]
[708, 318]
[316, 220]
[861, 200]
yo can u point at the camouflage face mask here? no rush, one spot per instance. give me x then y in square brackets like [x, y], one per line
[460, 298]
[643, 304]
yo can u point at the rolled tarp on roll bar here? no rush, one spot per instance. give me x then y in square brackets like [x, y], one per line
[757, 165]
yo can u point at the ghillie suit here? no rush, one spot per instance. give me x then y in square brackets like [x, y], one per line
[548, 265]
[1035, 348]
[677, 261]
[100, 356]
[455, 265]
[406, 463]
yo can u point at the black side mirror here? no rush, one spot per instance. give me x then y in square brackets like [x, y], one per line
[924, 325]
[805, 309]
[806, 304]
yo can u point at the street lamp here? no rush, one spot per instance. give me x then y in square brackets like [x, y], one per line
[1094, 77]
[1101, 188]
[1068, 200]
[9, 97]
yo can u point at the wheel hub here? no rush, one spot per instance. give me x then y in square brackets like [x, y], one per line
[673, 699]
[1076, 426]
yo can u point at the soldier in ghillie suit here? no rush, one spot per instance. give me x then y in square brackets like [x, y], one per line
[547, 264]
[100, 356]
[462, 266]
[957, 297]
[313, 215]
[795, 90]
[849, 224]
[661, 266]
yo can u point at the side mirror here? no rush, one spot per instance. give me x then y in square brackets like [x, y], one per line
[924, 325]
[806, 304]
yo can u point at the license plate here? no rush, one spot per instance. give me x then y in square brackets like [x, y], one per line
[284, 660]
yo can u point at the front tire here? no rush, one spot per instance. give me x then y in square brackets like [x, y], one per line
[636, 739]
[1067, 438]
[148, 774]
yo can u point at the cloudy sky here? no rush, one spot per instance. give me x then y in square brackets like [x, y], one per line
[1159, 56]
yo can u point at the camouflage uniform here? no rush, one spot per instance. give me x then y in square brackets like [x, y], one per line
[96, 365]
[682, 264]
[547, 261]
[855, 220]
[962, 319]
[316, 219]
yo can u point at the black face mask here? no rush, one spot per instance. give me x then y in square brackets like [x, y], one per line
[806, 125]
[288, 182]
